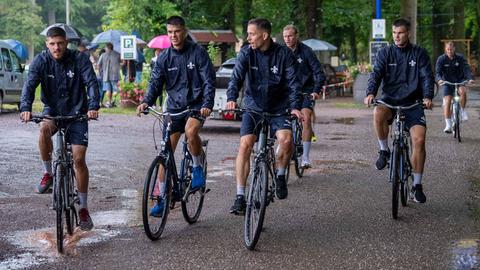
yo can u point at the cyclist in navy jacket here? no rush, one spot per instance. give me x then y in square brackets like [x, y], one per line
[271, 85]
[453, 68]
[69, 87]
[188, 75]
[310, 74]
[406, 74]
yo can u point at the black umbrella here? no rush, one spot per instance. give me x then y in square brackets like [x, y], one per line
[72, 33]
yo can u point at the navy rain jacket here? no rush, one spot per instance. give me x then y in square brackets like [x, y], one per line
[271, 83]
[63, 84]
[188, 76]
[405, 72]
[453, 70]
[309, 69]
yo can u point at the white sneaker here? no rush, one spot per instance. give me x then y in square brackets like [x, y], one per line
[464, 116]
[306, 164]
[448, 129]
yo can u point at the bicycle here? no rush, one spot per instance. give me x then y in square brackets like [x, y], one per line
[297, 131]
[400, 165]
[177, 187]
[65, 195]
[261, 192]
[455, 108]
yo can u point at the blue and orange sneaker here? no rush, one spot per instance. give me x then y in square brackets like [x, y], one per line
[198, 180]
[157, 210]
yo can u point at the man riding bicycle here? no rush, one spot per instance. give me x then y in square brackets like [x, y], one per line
[453, 68]
[188, 75]
[310, 74]
[405, 71]
[271, 85]
[69, 87]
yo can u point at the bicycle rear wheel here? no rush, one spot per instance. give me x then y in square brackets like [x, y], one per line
[58, 204]
[70, 211]
[192, 201]
[256, 205]
[395, 179]
[154, 226]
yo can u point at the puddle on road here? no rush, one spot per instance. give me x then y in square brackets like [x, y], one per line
[39, 246]
[345, 120]
[4, 195]
[465, 254]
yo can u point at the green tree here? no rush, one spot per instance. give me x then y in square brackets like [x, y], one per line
[21, 20]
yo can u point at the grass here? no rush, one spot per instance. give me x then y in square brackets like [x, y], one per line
[349, 105]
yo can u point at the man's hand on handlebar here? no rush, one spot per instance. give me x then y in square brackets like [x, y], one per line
[315, 96]
[428, 103]
[142, 107]
[297, 113]
[231, 105]
[92, 114]
[368, 100]
[205, 112]
[26, 116]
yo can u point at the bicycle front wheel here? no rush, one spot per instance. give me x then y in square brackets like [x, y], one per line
[256, 205]
[298, 152]
[58, 204]
[456, 128]
[395, 179]
[70, 211]
[154, 224]
[404, 176]
[192, 202]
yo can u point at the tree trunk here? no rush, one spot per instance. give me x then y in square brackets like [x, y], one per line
[246, 16]
[311, 18]
[353, 43]
[51, 17]
[408, 11]
[437, 27]
[459, 26]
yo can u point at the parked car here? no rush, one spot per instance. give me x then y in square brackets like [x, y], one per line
[224, 73]
[11, 76]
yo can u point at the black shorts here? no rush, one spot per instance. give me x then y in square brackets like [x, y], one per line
[179, 122]
[448, 90]
[251, 124]
[413, 117]
[77, 133]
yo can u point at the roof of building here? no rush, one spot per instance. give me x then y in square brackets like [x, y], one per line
[217, 36]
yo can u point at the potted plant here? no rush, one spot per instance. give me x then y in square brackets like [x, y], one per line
[131, 93]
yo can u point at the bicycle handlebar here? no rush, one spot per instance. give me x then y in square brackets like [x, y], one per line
[151, 109]
[39, 118]
[455, 84]
[377, 102]
[263, 114]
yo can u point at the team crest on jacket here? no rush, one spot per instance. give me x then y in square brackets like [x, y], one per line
[190, 65]
[456, 64]
[299, 60]
[412, 63]
[70, 74]
[274, 69]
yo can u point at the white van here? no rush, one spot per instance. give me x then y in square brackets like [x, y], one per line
[11, 76]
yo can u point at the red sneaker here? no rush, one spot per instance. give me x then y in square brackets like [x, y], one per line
[86, 223]
[45, 184]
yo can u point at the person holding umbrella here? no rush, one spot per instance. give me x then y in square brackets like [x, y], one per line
[188, 75]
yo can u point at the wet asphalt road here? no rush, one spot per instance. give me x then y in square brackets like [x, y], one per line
[336, 217]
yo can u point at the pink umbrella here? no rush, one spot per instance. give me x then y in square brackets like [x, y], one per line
[159, 42]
